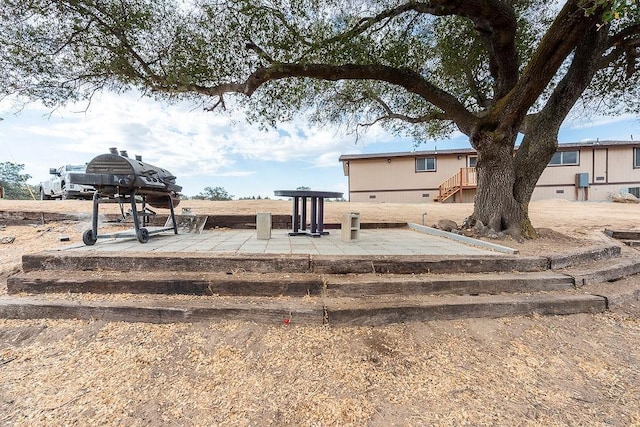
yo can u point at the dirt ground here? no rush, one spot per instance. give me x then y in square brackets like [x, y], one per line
[555, 370]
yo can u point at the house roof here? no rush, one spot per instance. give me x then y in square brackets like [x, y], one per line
[455, 151]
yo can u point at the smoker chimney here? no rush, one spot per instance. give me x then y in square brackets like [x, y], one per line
[113, 150]
[138, 157]
[123, 153]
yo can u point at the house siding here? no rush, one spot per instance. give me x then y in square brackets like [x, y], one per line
[392, 178]
[395, 179]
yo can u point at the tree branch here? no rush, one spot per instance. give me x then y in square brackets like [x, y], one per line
[625, 43]
[390, 114]
[496, 23]
[494, 20]
[117, 33]
[477, 94]
[410, 80]
[259, 51]
[562, 37]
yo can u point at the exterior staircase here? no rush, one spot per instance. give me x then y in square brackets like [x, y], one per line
[464, 179]
[304, 289]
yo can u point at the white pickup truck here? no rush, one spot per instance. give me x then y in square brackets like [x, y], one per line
[58, 186]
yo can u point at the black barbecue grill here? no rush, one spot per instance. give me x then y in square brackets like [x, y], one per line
[118, 178]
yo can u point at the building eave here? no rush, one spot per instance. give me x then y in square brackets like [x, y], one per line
[467, 151]
[346, 157]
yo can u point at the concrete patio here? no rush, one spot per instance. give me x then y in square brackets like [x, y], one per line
[402, 241]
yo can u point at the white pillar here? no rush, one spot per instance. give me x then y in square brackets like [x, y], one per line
[263, 225]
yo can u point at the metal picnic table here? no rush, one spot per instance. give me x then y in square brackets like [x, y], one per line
[299, 214]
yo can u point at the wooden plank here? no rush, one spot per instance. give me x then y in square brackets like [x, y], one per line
[410, 264]
[439, 284]
[610, 272]
[269, 311]
[623, 234]
[185, 283]
[375, 312]
[337, 312]
[583, 256]
[276, 284]
[166, 261]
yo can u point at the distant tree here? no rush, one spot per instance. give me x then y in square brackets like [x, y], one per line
[258, 197]
[13, 182]
[215, 193]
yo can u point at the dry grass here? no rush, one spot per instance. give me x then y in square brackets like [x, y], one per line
[578, 370]
[530, 371]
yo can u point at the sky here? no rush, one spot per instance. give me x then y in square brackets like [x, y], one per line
[212, 149]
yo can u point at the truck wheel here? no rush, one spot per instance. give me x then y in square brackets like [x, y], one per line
[43, 195]
[88, 238]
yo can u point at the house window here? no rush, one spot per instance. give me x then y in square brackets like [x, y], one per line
[426, 164]
[636, 157]
[565, 158]
[472, 161]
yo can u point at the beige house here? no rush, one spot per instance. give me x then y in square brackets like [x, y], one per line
[577, 171]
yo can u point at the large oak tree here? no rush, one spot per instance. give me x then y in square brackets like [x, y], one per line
[490, 69]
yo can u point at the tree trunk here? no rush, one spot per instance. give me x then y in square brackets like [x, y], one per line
[530, 161]
[541, 132]
[506, 181]
[495, 205]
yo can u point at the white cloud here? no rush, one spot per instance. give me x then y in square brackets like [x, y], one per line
[326, 160]
[592, 122]
[237, 173]
[189, 142]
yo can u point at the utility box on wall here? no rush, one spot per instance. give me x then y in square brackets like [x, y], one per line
[582, 180]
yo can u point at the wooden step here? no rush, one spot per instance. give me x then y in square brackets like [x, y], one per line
[604, 271]
[167, 261]
[165, 309]
[273, 263]
[439, 284]
[623, 234]
[450, 192]
[302, 311]
[282, 284]
[304, 289]
[166, 282]
[419, 264]
[584, 256]
[381, 311]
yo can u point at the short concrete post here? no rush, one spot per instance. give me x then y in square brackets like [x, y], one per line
[263, 225]
[350, 227]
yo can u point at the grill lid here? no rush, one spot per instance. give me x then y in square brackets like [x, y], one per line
[116, 173]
